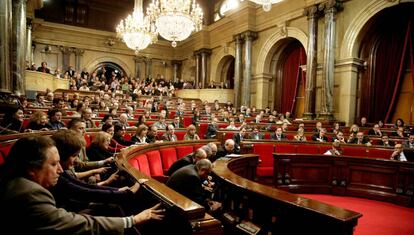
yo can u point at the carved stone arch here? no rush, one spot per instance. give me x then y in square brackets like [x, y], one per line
[351, 43]
[273, 43]
[95, 62]
[218, 62]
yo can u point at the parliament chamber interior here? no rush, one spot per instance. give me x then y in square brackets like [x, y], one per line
[207, 117]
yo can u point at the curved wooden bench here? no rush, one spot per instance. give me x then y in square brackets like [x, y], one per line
[271, 210]
[266, 148]
[377, 179]
[148, 162]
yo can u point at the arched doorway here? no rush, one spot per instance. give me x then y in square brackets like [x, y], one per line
[226, 71]
[109, 69]
[385, 86]
[290, 77]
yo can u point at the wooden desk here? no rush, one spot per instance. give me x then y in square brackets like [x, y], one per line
[271, 209]
[377, 179]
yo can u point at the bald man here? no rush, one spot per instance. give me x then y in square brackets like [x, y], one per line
[187, 160]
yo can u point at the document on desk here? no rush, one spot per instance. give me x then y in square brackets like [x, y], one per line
[233, 155]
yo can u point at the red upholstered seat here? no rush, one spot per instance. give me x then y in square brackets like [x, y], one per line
[88, 139]
[267, 135]
[183, 151]
[187, 120]
[143, 163]
[308, 149]
[228, 135]
[180, 135]
[168, 157]
[265, 152]
[355, 151]
[133, 161]
[380, 153]
[5, 147]
[285, 148]
[155, 163]
[202, 130]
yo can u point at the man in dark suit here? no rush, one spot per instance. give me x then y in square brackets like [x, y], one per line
[256, 135]
[409, 144]
[385, 141]
[188, 181]
[187, 160]
[212, 129]
[43, 68]
[375, 131]
[278, 135]
[398, 154]
[238, 137]
[229, 148]
[321, 136]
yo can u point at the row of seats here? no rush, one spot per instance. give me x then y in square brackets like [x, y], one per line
[266, 150]
[155, 163]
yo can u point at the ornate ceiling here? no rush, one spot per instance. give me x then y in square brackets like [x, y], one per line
[100, 14]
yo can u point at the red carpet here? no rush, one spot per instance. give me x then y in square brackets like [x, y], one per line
[378, 218]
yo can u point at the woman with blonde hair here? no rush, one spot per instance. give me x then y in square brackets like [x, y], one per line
[191, 133]
[98, 150]
[39, 121]
[140, 136]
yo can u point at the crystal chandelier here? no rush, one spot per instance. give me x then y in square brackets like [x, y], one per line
[175, 20]
[267, 4]
[136, 30]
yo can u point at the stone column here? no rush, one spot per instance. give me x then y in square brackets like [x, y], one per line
[205, 53]
[29, 54]
[238, 69]
[19, 45]
[138, 60]
[176, 66]
[148, 67]
[312, 61]
[78, 58]
[249, 36]
[66, 51]
[197, 72]
[330, 9]
[5, 45]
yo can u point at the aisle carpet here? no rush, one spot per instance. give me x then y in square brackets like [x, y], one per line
[378, 218]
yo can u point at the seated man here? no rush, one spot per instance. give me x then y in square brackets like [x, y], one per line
[229, 148]
[320, 136]
[187, 160]
[278, 135]
[398, 153]
[256, 135]
[188, 181]
[360, 139]
[409, 144]
[385, 141]
[169, 134]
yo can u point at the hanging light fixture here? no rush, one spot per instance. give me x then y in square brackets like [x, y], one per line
[267, 4]
[136, 30]
[175, 20]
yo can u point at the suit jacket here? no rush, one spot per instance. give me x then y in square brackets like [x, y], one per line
[29, 208]
[185, 161]
[316, 136]
[372, 132]
[274, 137]
[211, 131]
[187, 182]
[406, 144]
